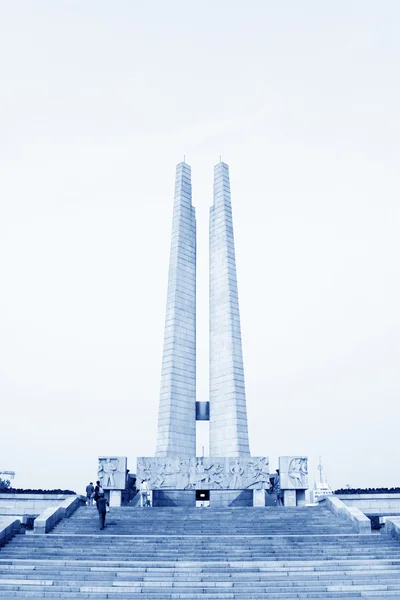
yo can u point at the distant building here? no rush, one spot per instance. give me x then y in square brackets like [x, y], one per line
[321, 487]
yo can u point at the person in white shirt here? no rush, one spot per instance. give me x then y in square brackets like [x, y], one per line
[144, 492]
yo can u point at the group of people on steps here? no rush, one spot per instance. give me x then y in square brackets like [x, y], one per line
[96, 494]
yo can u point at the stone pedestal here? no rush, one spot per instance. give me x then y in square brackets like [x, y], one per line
[115, 497]
[289, 497]
[293, 479]
[258, 497]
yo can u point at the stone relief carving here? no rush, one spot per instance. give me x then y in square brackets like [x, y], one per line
[111, 472]
[106, 472]
[298, 472]
[204, 473]
[293, 472]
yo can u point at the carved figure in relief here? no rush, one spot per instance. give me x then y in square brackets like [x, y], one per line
[217, 475]
[259, 470]
[202, 473]
[192, 473]
[170, 472]
[183, 477]
[298, 472]
[237, 471]
[106, 472]
[198, 474]
[156, 475]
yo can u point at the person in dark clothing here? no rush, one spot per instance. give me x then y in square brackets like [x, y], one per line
[89, 494]
[97, 491]
[277, 489]
[102, 504]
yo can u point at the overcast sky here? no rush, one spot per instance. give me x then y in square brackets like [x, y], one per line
[98, 102]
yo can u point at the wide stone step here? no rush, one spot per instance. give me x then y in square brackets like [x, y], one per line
[206, 582]
[92, 542]
[378, 575]
[377, 595]
[176, 590]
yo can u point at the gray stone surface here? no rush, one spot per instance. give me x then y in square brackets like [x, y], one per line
[228, 416]
[258, 497]
[231, 498]
[115, 497]
[208, 473]
[186, 498]
[176, 433]
[289, 498]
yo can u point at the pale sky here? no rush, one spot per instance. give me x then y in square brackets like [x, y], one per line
[99, 101]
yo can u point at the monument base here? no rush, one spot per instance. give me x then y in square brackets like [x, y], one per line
[115, 497]
[289, 497]
[225, 498]
[294, 497]
[174, 498]
[258, 497]
[218, 498]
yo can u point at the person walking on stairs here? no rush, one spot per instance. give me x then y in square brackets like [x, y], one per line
[89, 494]
[277, 489]
[102, 504]
[97, 491]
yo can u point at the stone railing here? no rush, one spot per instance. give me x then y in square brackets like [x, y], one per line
[9, 526]
[392, 526]
[359, 521]
[52, 515]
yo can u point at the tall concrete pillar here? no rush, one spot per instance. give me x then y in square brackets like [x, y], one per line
[177, 409]
[228, 416]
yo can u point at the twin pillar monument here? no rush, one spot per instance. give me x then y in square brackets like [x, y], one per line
[226, 408]
[229, 476]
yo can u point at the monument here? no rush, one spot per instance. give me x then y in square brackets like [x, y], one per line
[177, 415]
[111, 472]
[293, 472]
[175, 473]
[228, 415]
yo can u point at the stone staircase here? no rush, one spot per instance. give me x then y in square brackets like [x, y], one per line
[204, 553]
[186, 521]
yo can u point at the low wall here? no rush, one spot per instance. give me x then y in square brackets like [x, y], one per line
[373, 504]
[50, 516]
[9, 526]
[28, 504]
[360, 523]
[392, 527]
